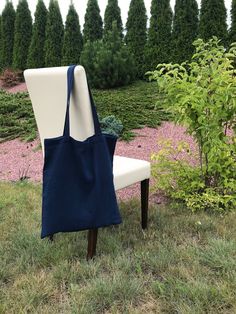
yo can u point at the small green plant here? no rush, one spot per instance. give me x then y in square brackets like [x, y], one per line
[111, 125]
[181, 179]
[201, 94]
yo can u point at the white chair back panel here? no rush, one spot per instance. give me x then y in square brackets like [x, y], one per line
[48, 93]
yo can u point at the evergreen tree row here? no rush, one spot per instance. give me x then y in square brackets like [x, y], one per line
[169, 38]
[45, 43]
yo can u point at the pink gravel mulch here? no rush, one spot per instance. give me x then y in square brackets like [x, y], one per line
[15, 89]
[18, 158]
[19, 88]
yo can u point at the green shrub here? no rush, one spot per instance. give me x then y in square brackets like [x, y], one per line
[108, 62]
[183, 181]
[16, 117]
[111, 125]
[201, 94]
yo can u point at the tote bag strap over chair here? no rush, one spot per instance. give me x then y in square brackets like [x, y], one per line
[70, 84]
[110, 139]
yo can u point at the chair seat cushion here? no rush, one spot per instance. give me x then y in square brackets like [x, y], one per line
[129, 170]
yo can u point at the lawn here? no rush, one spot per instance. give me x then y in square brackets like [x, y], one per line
[184, 263]
[135, 105]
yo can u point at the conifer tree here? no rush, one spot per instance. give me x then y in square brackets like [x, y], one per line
[92, 22]
[73, 41]
[159, 35]
[22, 35]
[112, 13]
[54, 35]
[213, 20]
[108, 62]
[185, 29]
[36, 50]
[1, 65]
[136, 35]
[8, 22]
[232, 33]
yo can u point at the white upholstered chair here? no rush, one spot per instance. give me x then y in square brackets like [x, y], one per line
[48, 90]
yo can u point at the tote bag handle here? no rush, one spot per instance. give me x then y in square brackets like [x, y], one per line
[70, 84]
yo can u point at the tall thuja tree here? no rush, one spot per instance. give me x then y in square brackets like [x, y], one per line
[136, 35]
[73, 41]
[185, 29]
[54, 35]
[112, 13]
[8, 22]
[0, 42]
[22, 35]
[232, 32]
[92, 22]
[36, 50]
[213, 20]
[159, 34]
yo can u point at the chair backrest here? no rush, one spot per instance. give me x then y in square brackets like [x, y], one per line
[48, 92]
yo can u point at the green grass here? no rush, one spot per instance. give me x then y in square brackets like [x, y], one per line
[183, 263]
[134, 105]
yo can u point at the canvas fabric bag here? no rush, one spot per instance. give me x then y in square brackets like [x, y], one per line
[78, 188]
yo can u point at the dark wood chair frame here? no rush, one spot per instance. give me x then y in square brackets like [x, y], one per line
[93, 233]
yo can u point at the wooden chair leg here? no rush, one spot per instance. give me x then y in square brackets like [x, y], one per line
[51, 238]
[92, 242]
[144, 202]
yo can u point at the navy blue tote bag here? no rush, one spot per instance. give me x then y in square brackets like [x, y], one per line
[78, 188]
